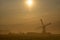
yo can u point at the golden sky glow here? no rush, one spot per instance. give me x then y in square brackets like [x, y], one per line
[25, 15]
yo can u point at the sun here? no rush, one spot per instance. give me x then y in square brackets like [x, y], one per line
[29, 3]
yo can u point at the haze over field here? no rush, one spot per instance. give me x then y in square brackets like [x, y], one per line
[27, 19]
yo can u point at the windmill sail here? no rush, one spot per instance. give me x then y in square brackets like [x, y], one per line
[47, 24]
[41, 21]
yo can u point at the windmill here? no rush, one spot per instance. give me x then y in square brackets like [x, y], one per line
[44, 26]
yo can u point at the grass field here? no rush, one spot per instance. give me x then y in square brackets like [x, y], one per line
[29, 37]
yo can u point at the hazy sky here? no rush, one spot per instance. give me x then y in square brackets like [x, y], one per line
[17, 14]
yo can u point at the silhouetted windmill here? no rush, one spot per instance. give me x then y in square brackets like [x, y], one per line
[44, 26]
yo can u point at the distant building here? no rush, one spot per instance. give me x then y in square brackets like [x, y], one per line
[4, 31]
